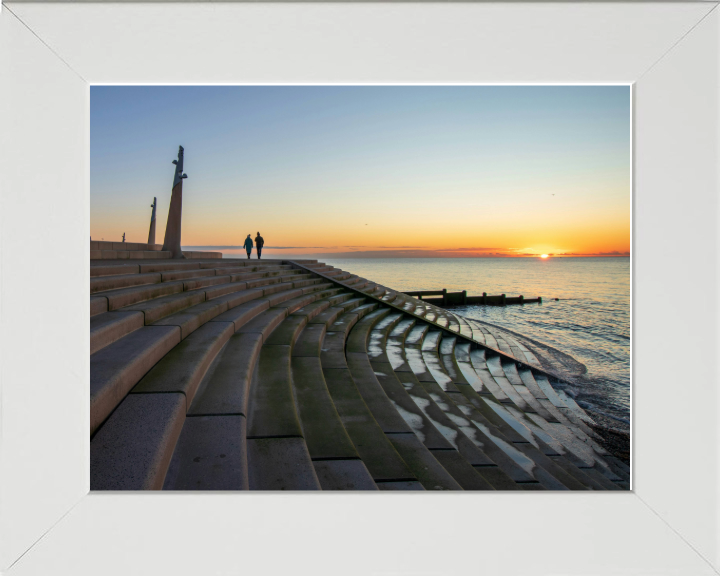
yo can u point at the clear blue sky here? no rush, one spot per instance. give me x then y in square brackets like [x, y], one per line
[320, 166]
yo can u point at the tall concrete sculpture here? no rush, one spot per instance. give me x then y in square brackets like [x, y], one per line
[151, 234]
[174, 221]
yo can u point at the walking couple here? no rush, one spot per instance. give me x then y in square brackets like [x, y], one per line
[259, 243]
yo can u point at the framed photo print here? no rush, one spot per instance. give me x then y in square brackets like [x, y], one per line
[487, 270]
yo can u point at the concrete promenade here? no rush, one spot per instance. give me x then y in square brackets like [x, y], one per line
[234, 374]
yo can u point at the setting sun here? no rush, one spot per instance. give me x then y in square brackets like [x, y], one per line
[543, 256]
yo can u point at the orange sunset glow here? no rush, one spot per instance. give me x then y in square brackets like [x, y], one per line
[370, 171]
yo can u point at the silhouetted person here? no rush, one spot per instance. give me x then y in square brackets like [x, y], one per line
[248, 245]
[259, 243]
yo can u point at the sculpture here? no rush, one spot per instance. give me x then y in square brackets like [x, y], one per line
[174, 221]
[151, 234]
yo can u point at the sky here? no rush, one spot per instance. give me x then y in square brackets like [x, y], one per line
[450, 171]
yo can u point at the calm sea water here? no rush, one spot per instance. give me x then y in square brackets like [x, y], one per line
[590, 322]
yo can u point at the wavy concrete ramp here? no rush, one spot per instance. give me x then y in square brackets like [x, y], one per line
[233, 374]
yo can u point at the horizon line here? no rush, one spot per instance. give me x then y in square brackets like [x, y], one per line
[408, 254]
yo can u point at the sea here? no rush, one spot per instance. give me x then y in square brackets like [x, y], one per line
[582, 326]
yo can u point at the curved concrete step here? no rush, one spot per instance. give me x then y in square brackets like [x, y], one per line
[548, 471]
[224, 296]
[157, 308]
[133, 450]
[98, 305]
[376, 451]
[192, 279]
[313, 388]
[181, 371]
[393, 411]
[509, 440]
[115, 369]
[191, 318]
[415, 406]
[458, 433]
[473, 440]
[489, 385]
[113, 270]
[103, 283]
[107, 328]
[211, 453]
[528, 417]
[534, 410]
[106, 279]
[337, 463]
[274, 427]
[118, 367]
[122, 297]
[273, 419]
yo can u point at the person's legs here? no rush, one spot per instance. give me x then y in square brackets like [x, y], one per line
[259, 251]
[248, 252]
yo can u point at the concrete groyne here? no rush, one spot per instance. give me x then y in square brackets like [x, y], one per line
[462, 298]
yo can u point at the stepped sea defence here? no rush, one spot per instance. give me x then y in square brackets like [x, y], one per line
[211, 374]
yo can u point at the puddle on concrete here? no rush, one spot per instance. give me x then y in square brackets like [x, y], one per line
[448, 433]
[387, 321]
[416, 334]
[569, 440]
[465, 409]
[511, 393]
[462, 352]
[549, 391]
[511, 373]
[493, 364]
[375, 344]
[447, 345]
[529, 381]
[570, 403]
[536, 430]
[394, 354]
[431, 340]
[433, 365]
[415, 360]
[458, 420]
[447, 360]
[401, 328]
[415, 421]
[512, 422]
[440, 402]
[477, 357]
[518, 457]
[472, 378]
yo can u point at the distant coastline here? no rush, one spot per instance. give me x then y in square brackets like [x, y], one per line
[409, 253]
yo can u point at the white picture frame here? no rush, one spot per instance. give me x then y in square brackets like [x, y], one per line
[50, 53]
